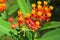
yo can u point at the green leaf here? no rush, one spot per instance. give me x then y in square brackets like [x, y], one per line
[29, 35]
[28, 2]
[3, 15]
[4, 27]
[48, 1]
[50, 25]
[52, 35]
[13, 8]
[6, 37]
[36, 35]
[23, 6]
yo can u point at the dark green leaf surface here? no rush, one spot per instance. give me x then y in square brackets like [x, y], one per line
[13, 8]
[50, 25]
[29, 35]
[52, 35]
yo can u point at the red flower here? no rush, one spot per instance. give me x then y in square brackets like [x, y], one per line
[34, 19]
[10, 19]
[29, 25]
[31, 22]
[33, 28]
[27, 20]
[46, 19]
[13, 26]
[20, 23]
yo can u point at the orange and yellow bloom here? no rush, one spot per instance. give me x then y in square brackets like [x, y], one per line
[38, 14]
[2, 5]
[2, 1]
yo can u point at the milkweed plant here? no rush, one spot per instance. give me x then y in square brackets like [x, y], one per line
[24, 20]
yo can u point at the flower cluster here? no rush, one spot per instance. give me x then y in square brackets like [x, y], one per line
[39, 13]
[2, 5]
[11, 20]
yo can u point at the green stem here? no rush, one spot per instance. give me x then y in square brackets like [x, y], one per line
[33, 35]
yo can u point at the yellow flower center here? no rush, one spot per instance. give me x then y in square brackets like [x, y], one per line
[33, 5]
[37, 23]
[19, 13]
[2, 4]
[39, 6]
[49, 14]
[33, 12]
[39, 13]
[39, 2]
[45, 2]
[20, 18]
[28, 15]
[51, 7]
[46, 8]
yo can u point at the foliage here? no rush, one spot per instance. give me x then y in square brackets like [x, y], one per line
[24, 33]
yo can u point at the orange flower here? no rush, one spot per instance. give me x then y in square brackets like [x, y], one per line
[39, 6]
[33, 11]
[46, 8]
[20, 23]
[39, 2]
[2, 7]
[21, 18]
[19, 13]
[45, 2]
[46, 19]
[51, 7]
[39, 18]
[33, 6]
[49, 14]
[28, 15]
[39, 13]
[2, 1]
[37, 23]
[13, 26]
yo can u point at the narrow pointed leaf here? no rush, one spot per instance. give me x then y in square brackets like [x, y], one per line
[52, 35]
[23, 6]
[50, 25]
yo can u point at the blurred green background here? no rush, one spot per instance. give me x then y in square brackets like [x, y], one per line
[13, 7]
